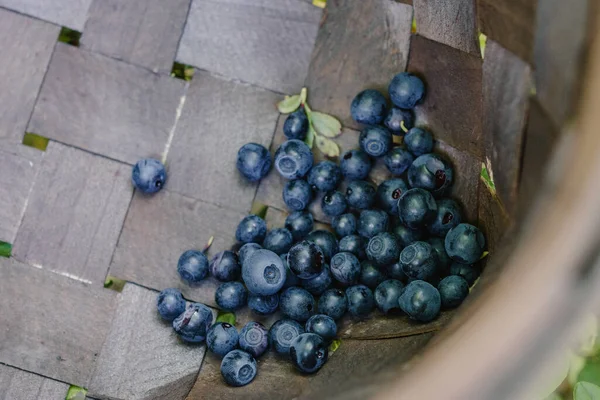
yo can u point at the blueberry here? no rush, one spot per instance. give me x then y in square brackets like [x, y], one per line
[421, 301]
[290, 278]
[252, 229]
[319, 283]
[323, 325]
[193, 324]
[149, 175]
[297, 303]
[418, 141]
[369, 107]
[231, 296]
[416, 208]
[293, 159]
[406, 235]
[325, 176]
[326, 242]
[278, 240]
[394, 271]
[431, 172]
[444, 261]
[375, 141]
[334, 303]
[398, 160]
[360, 300]
[360, 195]
[254, 339]
[309, 352]
[300, 224]
[419, 261]
[254, 161]
[263, 273]
[370, 275]
[467, 271]
[225, 266]
[393, 120]
[263, 305]
[448, 216]
[222, 338]
[372, 222]
[296, 125]
[388, 193]
[238, 368]
[383, 249]
[283, 333]
[344, 225]
[192, 267]
[453, 291]
[465, 244]
[345, 268]
[333, 204]
[306, 260]
[406, 90]
[355, 164]
[387, 295]
[354, 244]
[247, 250]
[170, 304]
[297, 194]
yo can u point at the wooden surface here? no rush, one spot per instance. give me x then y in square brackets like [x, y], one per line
[493, 219]
[218, 118]
[16, 384]
[69, 13]
[141, 32]
[26, 45]
[75, 213]
[105, 106]
[340, 68]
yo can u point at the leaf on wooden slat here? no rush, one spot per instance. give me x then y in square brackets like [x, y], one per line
[76, 393]
[328, 147]
[586, 391]
[5, 249]
[484, 255]
[303, 94]
[482, 43]
[310, 136]
[227, 317]
[488, 180]
[335, 344]
[319, 3]
[289, 104]
[325, 124]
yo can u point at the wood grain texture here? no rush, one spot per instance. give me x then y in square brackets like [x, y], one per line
[26, 45]
[159, 229]
[506, 87]
[106, 106]
[52, 325]
[262, 42]
[448, 22]
[346, 60]
[218, 118]
[69, 13]
[141, 32]
[21, 385]
[493, 219]
[19, 165]
[143, 357]
[452, 105]
[75, 213]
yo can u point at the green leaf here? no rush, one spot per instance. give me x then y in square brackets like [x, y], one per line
[76, 393]
[486, 178]
[5, 249]
[327, 147]
[303, 94]
[227, 317]
[484, 255]
[35, 141]
[591, 371]
[482, 43]
[289, 104]
[325, 124]
[554, 396]
[310, 136]
[586, 391]
[335, 344]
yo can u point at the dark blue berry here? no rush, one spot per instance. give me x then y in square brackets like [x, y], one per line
[370, 275]
[394, 271]
[419, 261]
[306, 260]
[431, 172]
[468, 271]
[326, 242]
[231, 296]
[453, 291]
[297, 194]
[393, 120]
[278, 240]
[283, 333]
[376, 141]
[333, 204]
[344, 225]
[372, 222]
[398, 160]
[263, 305]
[254, 339]
[238, 368]
[309, 352]
[325, 176]
[406, 90]
[293, 159]
[369, 107]
[246, 251]
[448, 216]
[333, 302]
[192, 267]
[444, 261]
[222, 338]
[297, 303]
[300, 224]
[421, 301]
[225, 266]
[416, 208]
[360, 300]
[323, 325]
[252, 229]
[360, 195]
[383, 249]
[465, 244]
[296, 125]
[406, 235]
[418, 141]
[355, 164]
[193, 324]
[388, 194]
[387, 295]
[345, 268]
[170, 304]
[290, 278]
[149, 175]
[263, 273]
[354, 244]
[319, 283]
[254, 161]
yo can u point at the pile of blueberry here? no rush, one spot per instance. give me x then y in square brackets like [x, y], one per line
[401, 246]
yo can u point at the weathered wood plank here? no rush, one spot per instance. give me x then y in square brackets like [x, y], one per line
[26, 45]
[218, 118]
[140, 32]
[142, 356]
[346, 60]
[452, 106]
[449, 22]
[159, 229]
[506, 87]
[262, 42]
[52, 325]
[493, 219]
[69, 13]
[75, 213]
[21, 385]
[106, 106]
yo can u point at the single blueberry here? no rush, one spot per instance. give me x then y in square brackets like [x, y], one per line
[283, 333]
[406, 235]
[254, 339]
[465, 244]
[345, 268]
[325, 176]
[370, 275]
[231, 296]
[444, 261]
[293, 159]
[360, 300]
[278, 240]
[192, 267]
[263, 272]
[416, 208]
[309, 352]
[376, 141]
[406, 90]
[170, 304]
[306, 260]
[354, 244]
[238, 368]
[326, 242]
[453, 291]
[448, 216]
[193, 324]
[394, 271]
[252, 229]
[149, 175]
[431, 172]
[383, 249]
[398, 160]
[388, 194]
[360, 195]
[355, 164]
[393, 121]
[421, 301]
[222, 338]
[323, 325]
[372, 222]
[296, 125]
[387, 295]
[290, 278]
[254, 161]
[263, 305]
[319, 283]
[369, 107]
[333, 302]
[344, 225]
[300, 224]
[225, 266]
[333, 204]
[297, 303]
[247, 250]
[418, 141]
[419, 261]
[297, 194]
[468, 271]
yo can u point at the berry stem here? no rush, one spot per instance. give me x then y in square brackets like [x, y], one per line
[403, 127]
[208, 244]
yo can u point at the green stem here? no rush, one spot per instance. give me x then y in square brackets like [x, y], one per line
[403, 127]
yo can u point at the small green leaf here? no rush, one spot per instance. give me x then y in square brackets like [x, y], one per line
[586, 391]
[227, 317]
[258, 209]
[310, 136]
[327, 147]
[335, 344]
[486, 178]
[303, 94]
[208, 244]
[76, 393]
[115, 284]
[5, 249]
[325, 124]
[289, 104]
[484, 255]
[35, 141]
[403, 127]
[319, 3]
[591, 371]
[482, 43]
